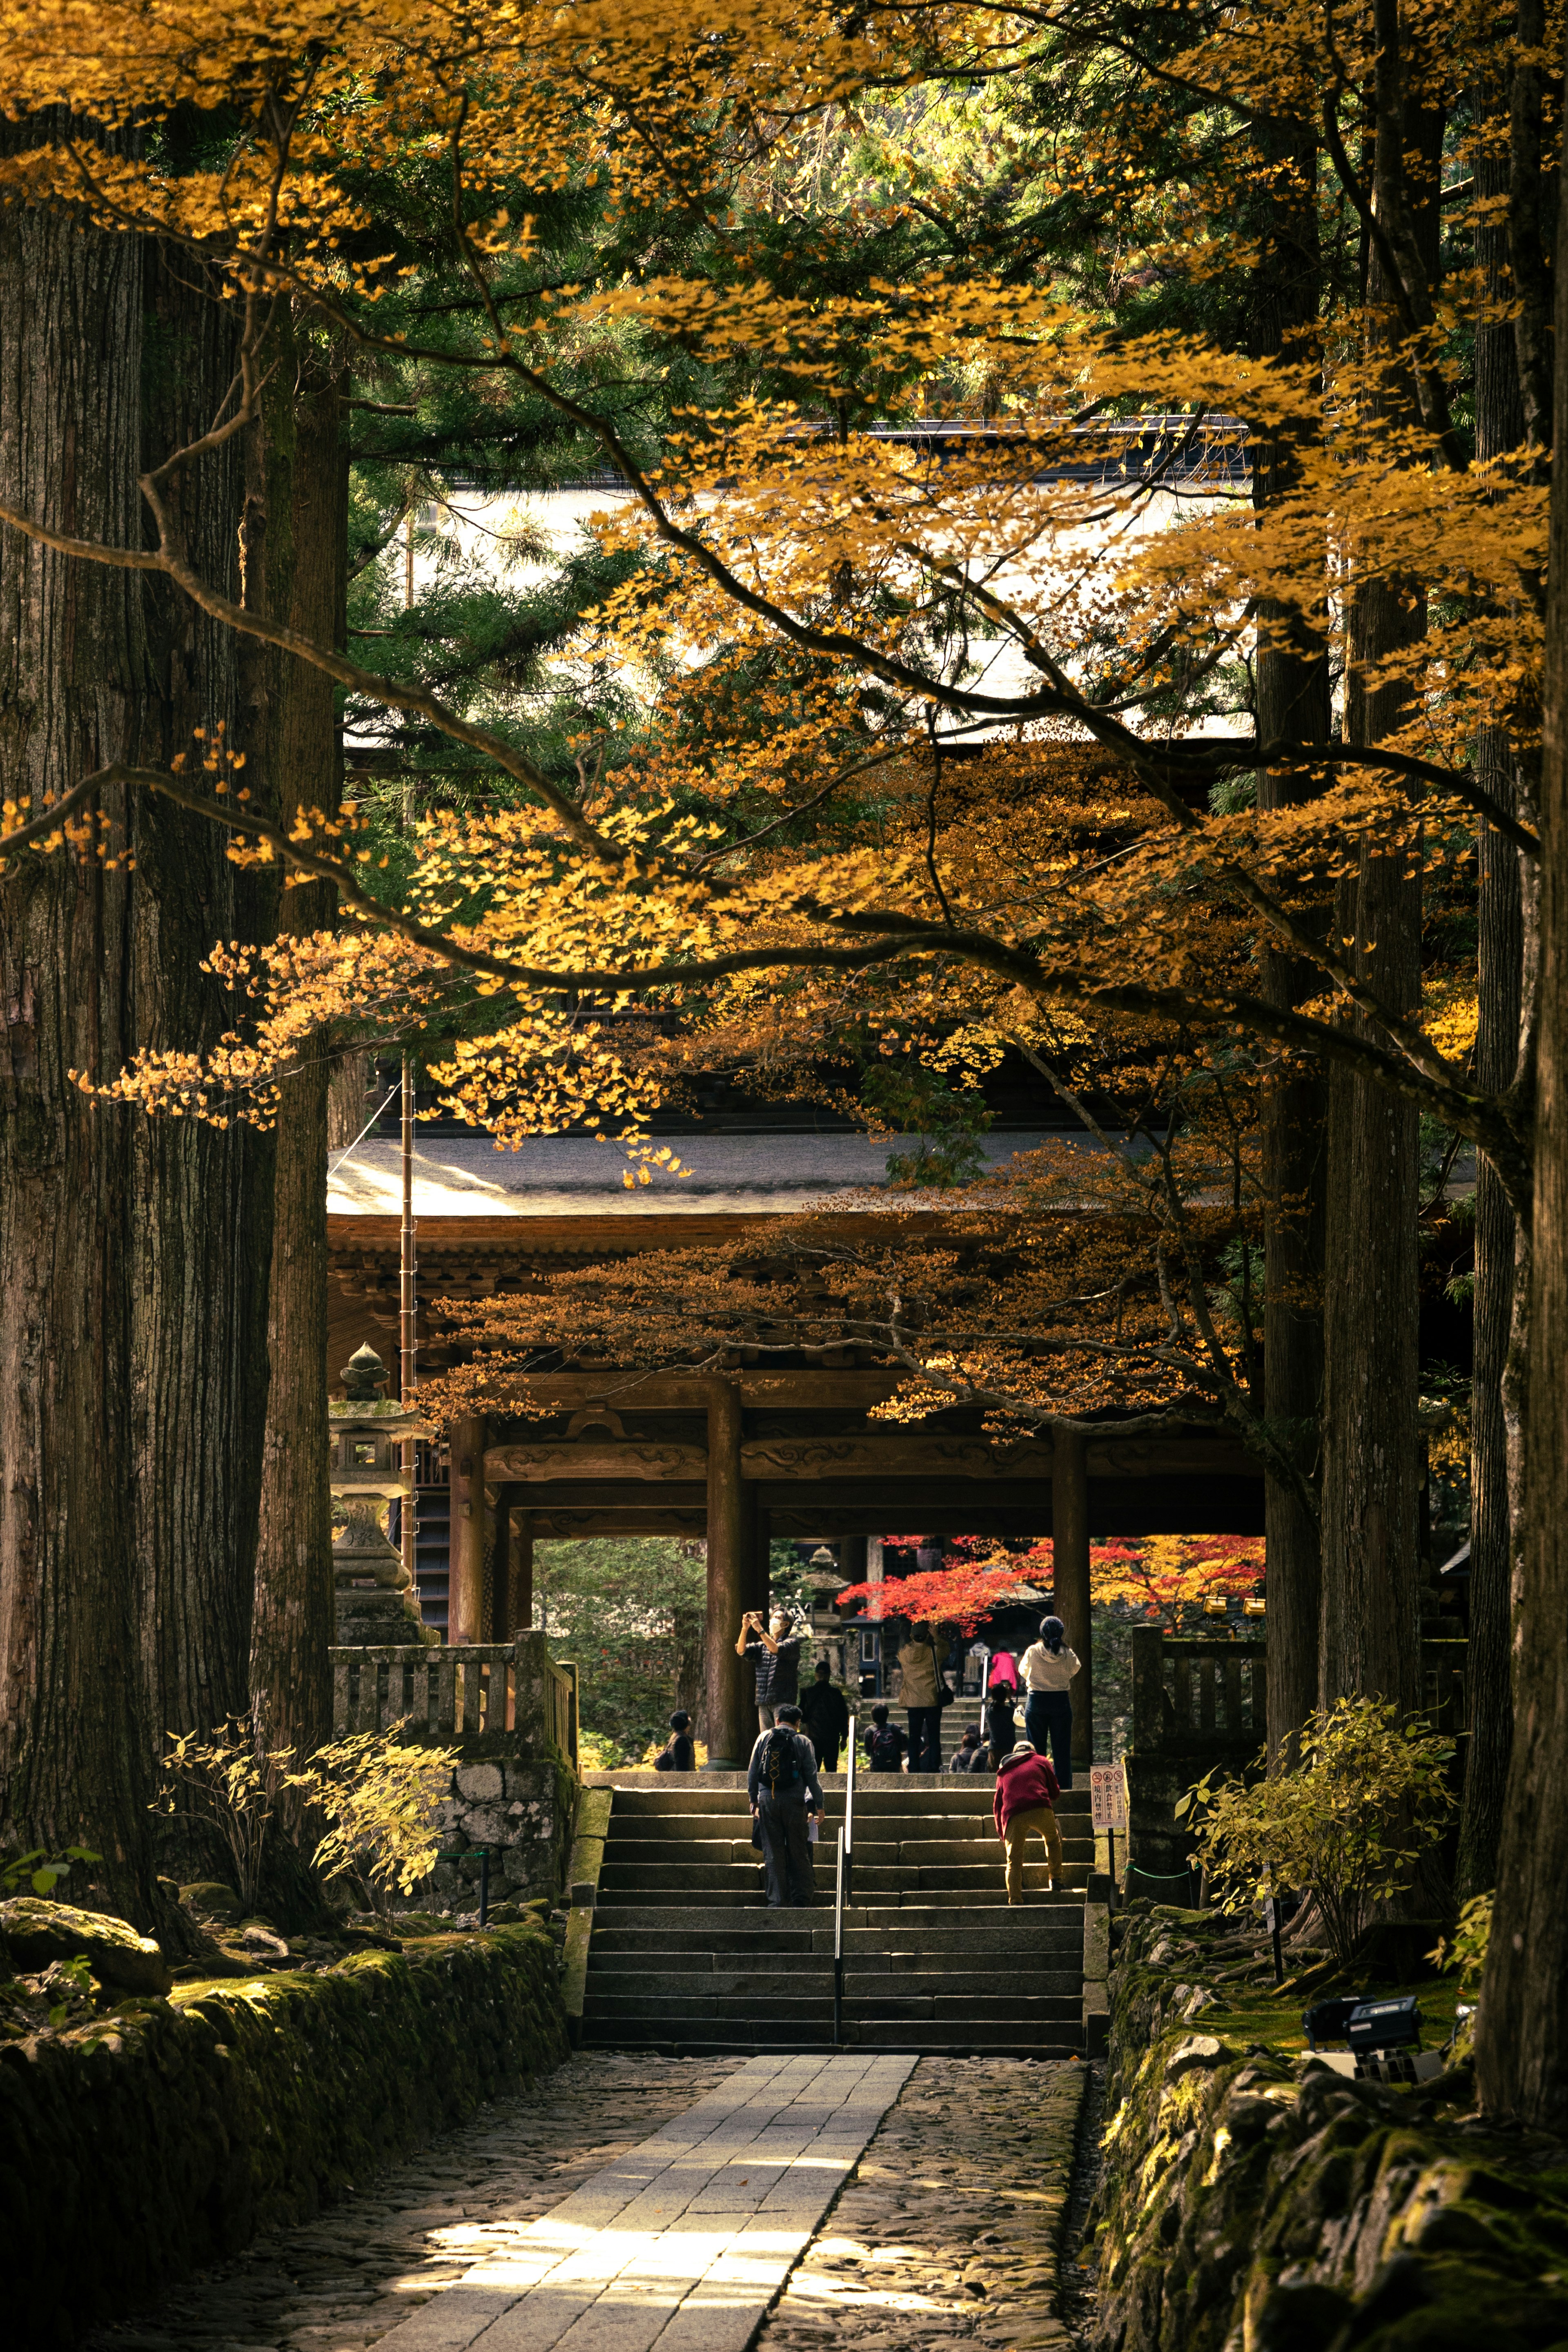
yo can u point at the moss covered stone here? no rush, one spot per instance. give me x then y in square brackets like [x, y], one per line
[37, 1933]
[163, 2137]
[1254, 2201]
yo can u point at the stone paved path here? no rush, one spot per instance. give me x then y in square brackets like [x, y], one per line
[685, 2242]
[635, 2202]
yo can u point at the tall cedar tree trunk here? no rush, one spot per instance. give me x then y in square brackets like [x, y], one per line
[1522, 2043]
[202, 1198]
[290, 1677]
[1370, 1639]
[74, 1748]
[1293, 702]
[1500, 426]
[350, 1097]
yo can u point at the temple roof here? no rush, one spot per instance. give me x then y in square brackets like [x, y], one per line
[562, 1175]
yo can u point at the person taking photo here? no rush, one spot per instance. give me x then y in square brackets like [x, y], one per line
[774, 1652]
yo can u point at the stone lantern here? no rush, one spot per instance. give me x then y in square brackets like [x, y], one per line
[375, 1602]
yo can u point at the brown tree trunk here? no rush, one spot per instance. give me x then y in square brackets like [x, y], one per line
[74, 1738]
[1291, 670]
[202, 1198]
[1370, 1636]
[290, 1678]
[1522, 2046]
[350, 1097]
[1500, 426]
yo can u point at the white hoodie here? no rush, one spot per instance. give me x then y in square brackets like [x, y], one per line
[1048, 1670]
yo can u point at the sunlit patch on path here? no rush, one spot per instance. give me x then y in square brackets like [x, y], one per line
[684, 2242]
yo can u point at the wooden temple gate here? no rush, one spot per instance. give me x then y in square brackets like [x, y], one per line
[757, 1452]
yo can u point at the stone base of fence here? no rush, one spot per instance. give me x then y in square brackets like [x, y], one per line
[510, 1712]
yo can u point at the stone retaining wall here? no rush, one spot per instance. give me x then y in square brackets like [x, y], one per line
[163, 2137]
[1255, 2202]
[520, 1809]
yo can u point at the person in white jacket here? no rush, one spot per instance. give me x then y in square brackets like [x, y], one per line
[1048, 1667]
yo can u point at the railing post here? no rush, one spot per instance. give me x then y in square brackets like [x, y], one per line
[1148, 1689]
[842, 1884]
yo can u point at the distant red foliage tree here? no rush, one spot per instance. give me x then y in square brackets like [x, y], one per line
[1156, 1574]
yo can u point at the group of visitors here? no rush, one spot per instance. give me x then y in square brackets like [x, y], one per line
[783, 1784]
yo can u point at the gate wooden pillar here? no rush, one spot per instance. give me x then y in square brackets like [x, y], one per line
[1069, 1555]
[511, 1596]
[520, 1523]
[466, 1575]
[730, 1571]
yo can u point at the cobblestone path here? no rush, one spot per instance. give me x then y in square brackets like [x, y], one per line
[946, 2231]
[341, 2282]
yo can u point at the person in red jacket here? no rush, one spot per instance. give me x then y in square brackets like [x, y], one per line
[1023, 1807]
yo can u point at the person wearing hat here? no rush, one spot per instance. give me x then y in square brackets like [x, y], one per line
[1048, 1667]
[679, 1753]
[1023, 1808]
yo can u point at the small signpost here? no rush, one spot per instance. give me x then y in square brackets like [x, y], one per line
[1108, 1801]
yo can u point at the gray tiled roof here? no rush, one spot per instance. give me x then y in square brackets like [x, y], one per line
[562, 1175]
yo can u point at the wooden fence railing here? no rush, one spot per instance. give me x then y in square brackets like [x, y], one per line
[1194, 1698]
[449, 1693]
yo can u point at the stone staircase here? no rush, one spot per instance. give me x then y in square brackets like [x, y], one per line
[684, 1953]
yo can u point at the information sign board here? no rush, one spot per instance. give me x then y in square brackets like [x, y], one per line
[1108, 1796]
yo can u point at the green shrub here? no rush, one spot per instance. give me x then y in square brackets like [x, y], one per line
[1343, 1829]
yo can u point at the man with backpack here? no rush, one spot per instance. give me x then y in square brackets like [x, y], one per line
[784, 1791]
[885, 1743]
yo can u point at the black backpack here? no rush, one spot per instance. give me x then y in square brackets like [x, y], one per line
[884, 1746]
[781, 1761]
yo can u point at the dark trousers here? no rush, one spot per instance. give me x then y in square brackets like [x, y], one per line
[1048, 1716]
[786, 1849]
[826, 1755]
[925, 1739]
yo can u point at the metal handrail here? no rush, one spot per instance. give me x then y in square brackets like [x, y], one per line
[842, 1885]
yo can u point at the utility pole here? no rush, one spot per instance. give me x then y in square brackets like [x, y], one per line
[407, 1341]
[407, 1338]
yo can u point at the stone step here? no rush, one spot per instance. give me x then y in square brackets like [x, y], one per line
[810, 1974]
[988, 1911]
[1062, 2039]
[906, 1921]
[721, 1792]
[709, 1881]
[1016, 1963]
[922, 2036]
[756, 1999]
[1009, 1940]
[896, 1825]
[870, 1853]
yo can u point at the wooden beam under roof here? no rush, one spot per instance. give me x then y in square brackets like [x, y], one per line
[900, 1454]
